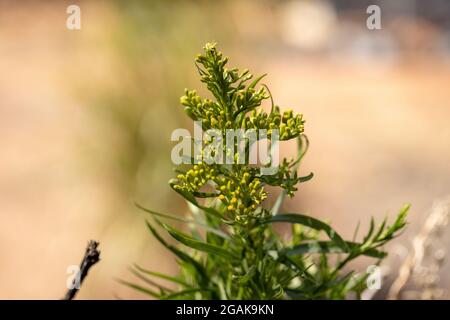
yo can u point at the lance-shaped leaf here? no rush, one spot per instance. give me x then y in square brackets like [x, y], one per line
[198, 245]
[184, 220]
[180, 254]
[163, 289]
[162, 276]
[142, 289]
[189, 197]
[311, 223]
[275, 181]
[331, 247]
[180, 294]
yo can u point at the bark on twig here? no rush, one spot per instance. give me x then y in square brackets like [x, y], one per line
[91, 257]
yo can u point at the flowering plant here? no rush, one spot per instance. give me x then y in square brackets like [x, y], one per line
[232, 250]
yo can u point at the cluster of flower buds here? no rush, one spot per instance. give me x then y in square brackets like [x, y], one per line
[214, 71]
[210, 113]
[195, 178]
[242, 197]
[237, 188]
[288, 125]
[241, 194]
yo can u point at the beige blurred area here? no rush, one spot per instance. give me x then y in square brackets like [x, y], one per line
[86, 117]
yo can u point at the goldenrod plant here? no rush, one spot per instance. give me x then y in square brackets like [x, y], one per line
[229, 248]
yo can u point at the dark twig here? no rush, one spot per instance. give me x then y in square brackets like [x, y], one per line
[91, 257]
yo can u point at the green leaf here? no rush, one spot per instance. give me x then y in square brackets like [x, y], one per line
[164, 215]
[182, 293]
[255, 82]
[250, 273]
[189, 197]
[305, 178]
[196, 244]
[399, 223]
[311, 223]
[380, 229]
[302, 148]
[140, 275]
[184, 220]
[162, 276]
[296, 294]
[180, 254]
[330, 247]
[141, 289]
[289, 181]
[371, 229]
[272, 104]
[204, 194]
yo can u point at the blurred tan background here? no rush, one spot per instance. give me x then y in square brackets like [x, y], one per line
[86, 117]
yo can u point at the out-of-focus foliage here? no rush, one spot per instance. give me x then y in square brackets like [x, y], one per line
[149, 45]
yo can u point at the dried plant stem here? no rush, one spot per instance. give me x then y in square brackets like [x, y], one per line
[435, 220]
[91, 257]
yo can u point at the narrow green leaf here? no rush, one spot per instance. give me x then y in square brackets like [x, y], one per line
[255, 82]
[371, 229]
[272, 104]
[330, 247]
[150, 282]
[205, 194]
[302, 148]
[250, 273]
[380, 229]
[184, 220]
[399, 223]
[276, 182]
[184, 292]
[164, 215]
[311, 223]
[355, 233]
[244, 110]
[189, 197]
[162, 276]
[141, 289]
[198, 245]
[180, 254]
[305, 178]
[296, 294]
